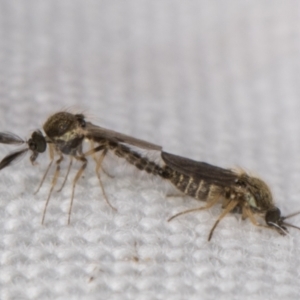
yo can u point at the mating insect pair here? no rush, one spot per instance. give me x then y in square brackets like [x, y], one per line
[65, 133]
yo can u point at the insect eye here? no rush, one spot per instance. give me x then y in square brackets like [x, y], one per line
[273, 216]
[37, 142]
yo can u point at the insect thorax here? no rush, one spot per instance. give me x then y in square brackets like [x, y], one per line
[257, 194]
[65, 131]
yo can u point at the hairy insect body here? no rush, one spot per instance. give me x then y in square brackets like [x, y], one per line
[237, 192]
[202, 190]
[65, 131]
[247, 190]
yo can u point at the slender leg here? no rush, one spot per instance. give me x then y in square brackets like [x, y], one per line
[231, 205]
[210, 203]
[96, 159]
[77, 177]
[67, 174]
[98, 166]
[51, 152]
[54, 180]
[248, 214]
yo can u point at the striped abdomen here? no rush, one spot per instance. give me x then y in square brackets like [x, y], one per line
[134, 158]
[190, 186]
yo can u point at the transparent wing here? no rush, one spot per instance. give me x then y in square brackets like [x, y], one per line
[97, 134]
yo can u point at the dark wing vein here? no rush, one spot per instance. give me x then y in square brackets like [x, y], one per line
[200, 170]
[98, 134]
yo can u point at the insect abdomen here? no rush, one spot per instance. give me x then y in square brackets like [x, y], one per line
[134, 158]
[189, 186]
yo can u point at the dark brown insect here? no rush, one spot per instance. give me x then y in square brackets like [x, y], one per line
[237, 192]
[65, 134]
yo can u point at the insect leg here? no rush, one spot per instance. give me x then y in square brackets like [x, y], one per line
[247, 213]
[77, 177]
[67, 174]
[54, 180]
[51, 153]
[210, 203]
[231, 205]
[98, 166]
[96, 159]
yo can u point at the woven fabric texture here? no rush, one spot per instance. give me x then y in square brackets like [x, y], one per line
[216, 81]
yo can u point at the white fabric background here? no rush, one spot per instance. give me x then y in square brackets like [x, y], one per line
[216, 81]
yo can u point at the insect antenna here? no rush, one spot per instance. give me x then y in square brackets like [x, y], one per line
[291, 225]
[11, 139]
[7, 160]
[290, 216]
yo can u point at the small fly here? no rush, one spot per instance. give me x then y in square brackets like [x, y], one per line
[237, 192]
[64, 135]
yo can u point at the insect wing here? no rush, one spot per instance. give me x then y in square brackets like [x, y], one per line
[10, 138]
[7, 160]
[200, 170]
[97, 134]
